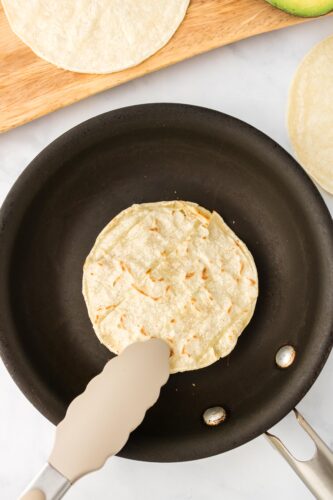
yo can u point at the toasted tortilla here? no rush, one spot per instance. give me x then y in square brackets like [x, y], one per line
[175, 271]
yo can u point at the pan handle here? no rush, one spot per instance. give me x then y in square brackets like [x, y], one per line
[316, 473]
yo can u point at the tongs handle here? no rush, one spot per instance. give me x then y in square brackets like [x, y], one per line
[49, 484]
[316, 473]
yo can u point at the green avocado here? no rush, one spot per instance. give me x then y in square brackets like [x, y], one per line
[304, 8]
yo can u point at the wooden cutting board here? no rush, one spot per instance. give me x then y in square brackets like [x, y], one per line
[31, 87]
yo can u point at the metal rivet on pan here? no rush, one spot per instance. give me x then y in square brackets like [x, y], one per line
[214, 416]
[285, 356]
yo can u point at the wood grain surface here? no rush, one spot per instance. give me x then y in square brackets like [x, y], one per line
[31, 87]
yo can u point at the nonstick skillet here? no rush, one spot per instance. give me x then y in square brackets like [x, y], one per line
[154, 152]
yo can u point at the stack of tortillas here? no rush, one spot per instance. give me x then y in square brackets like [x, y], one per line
[310, 116]
[99, 36]
[175, 271]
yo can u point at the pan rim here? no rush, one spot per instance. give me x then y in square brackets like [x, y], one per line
[15, 361]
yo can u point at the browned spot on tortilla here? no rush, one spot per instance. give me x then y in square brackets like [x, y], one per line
[202, 214]
[92, 274]
[143, 331]
[122, 323]
[189, 275]
[173, 320]
[169, 339]
[241, 268]
[139, 290]
[168, 288]
[172, 352]
[144, 293]
[229, 309]
[112, 306]
[193, 299]
[148, 271]
[97, 317]
[164, 253]
[154, 229]
[125, 267]
[253, 282]
[129, 270]
[204, 237]
[195, 337]
[184, 351]
[99, 308]
[154, 280]
[204, 274]
[116, 281]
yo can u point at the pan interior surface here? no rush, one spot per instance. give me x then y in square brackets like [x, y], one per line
[147, 153]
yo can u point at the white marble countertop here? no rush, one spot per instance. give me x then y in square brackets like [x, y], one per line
[250, 80]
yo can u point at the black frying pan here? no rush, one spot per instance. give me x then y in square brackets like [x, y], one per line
[57, 207]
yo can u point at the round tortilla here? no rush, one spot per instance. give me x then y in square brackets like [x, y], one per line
[100, 36]
[175, 271]
[310, 114]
